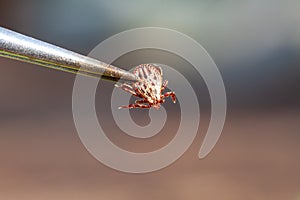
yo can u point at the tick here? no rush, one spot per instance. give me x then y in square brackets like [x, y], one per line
[149, 87]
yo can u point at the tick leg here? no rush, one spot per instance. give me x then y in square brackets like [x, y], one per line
[172, 94]
[136, 105]
[127, 88]
[140, 101]
[164, 85]
[138, 94]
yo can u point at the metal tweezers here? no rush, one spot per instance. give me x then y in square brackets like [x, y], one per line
[20, 47]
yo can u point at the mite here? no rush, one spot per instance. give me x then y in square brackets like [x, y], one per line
[149, 87]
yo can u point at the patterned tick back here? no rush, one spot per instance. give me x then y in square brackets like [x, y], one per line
[149, 87]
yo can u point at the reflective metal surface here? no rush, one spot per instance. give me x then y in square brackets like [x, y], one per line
[20, 47]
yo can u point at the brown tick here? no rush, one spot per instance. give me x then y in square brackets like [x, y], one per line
[149, 87]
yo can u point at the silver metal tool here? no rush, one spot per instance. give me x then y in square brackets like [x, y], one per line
[20, 47]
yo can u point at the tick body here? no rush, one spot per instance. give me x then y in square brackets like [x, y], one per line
[149, 87]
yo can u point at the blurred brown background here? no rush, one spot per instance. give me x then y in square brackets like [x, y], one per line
[256, 47]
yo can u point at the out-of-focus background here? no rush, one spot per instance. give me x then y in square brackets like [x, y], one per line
[255, 44]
